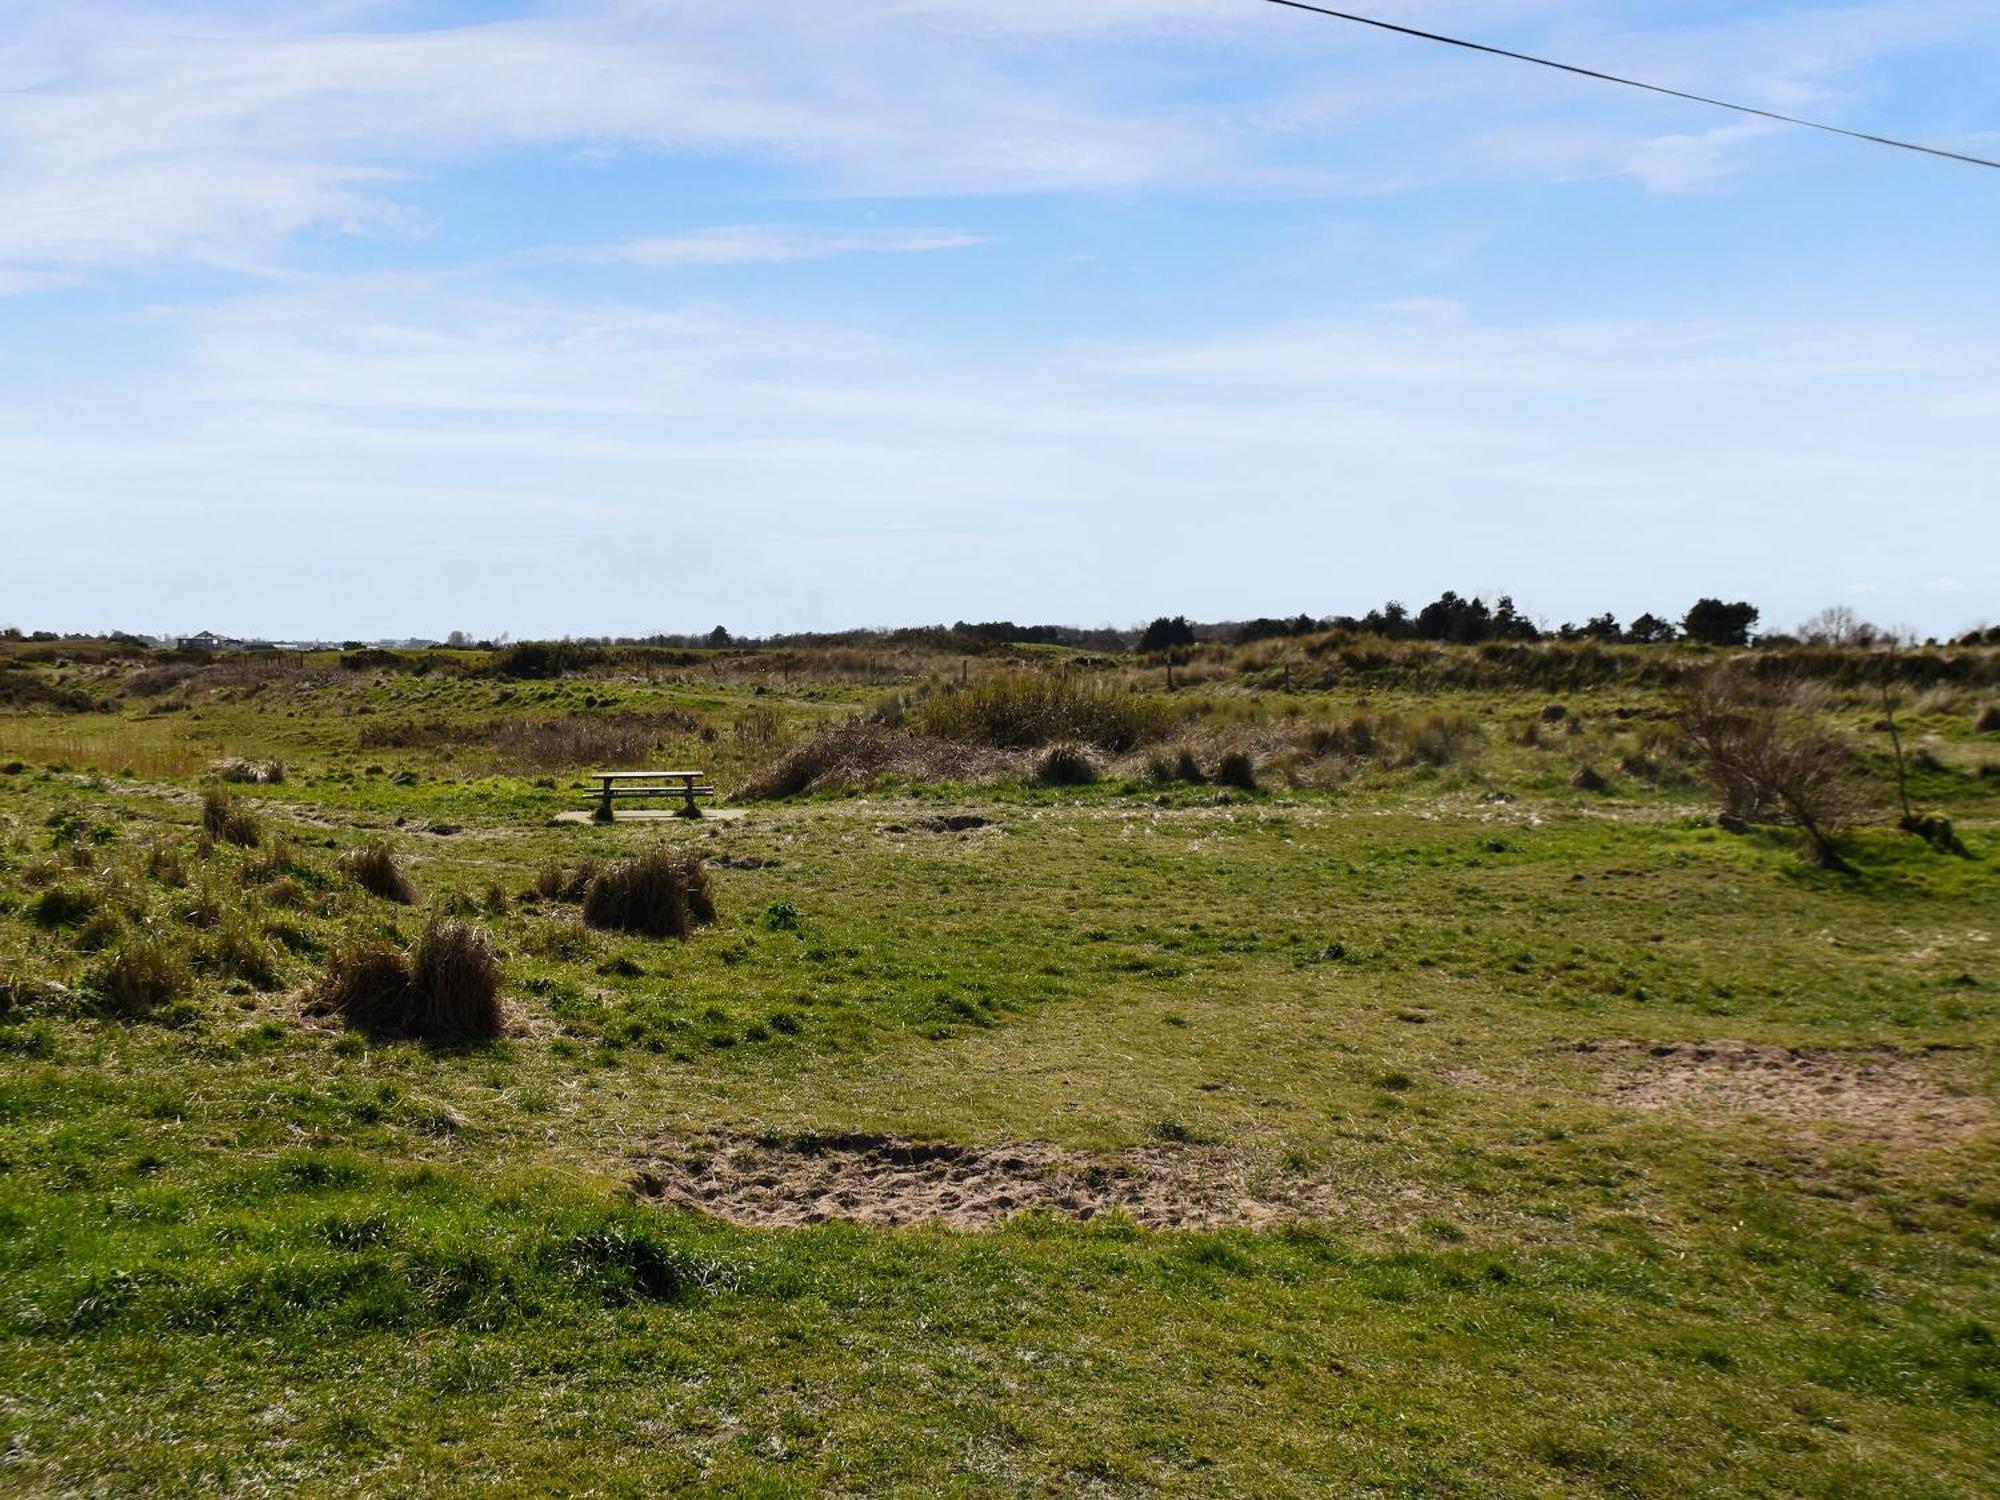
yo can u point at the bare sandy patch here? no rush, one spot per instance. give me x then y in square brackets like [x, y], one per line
[886, 1181]
[1892, 1095]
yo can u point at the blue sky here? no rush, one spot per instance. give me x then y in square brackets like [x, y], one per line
[631, 315]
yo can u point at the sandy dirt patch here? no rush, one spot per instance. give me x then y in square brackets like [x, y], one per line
[886, 1181]
[1893, 1095]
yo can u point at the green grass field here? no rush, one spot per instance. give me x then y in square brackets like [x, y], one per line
[1417, 1123]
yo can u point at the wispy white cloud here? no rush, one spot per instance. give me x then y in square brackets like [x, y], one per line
[761, 244]
[1432, 346]
[135, 131]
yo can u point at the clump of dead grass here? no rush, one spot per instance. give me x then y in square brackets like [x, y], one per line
[1066, 765]
[660, 894]
[224, 819]
[444, 989]
[375, 870]
[1237, 769]
[143, 974]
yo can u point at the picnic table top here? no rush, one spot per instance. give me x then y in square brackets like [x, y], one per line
[637, 775]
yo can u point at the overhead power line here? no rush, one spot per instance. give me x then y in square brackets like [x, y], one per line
[1633, 83]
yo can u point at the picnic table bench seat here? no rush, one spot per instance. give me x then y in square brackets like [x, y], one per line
[687, 785]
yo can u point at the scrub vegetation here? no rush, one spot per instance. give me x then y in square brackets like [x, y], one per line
[1322, 1063]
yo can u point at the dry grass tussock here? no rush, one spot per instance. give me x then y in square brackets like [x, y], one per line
[223, 819]
[445, 989]
[142, 974]
[375, 870]
[1066, 765]
[661, 894]
[857, 753]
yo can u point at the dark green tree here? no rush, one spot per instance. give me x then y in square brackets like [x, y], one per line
[1715, 623]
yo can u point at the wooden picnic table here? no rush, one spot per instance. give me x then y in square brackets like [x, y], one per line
[684, 784]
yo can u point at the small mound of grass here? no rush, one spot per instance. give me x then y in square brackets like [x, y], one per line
[63, 906]
[375, 870]
[445, 989]
[657, 895]
[141, 976]
[1066, 765]
[1237, 769]
[223, 819]
[238, 949]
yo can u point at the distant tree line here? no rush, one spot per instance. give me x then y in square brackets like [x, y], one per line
[1450, 618]
[1469, 622]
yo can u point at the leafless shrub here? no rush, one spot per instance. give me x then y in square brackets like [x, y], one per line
[1770, 752]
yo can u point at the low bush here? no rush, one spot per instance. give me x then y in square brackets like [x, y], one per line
[660, 894]
[446, 989]
[375, 870]
[222, 818]
[539, 659]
